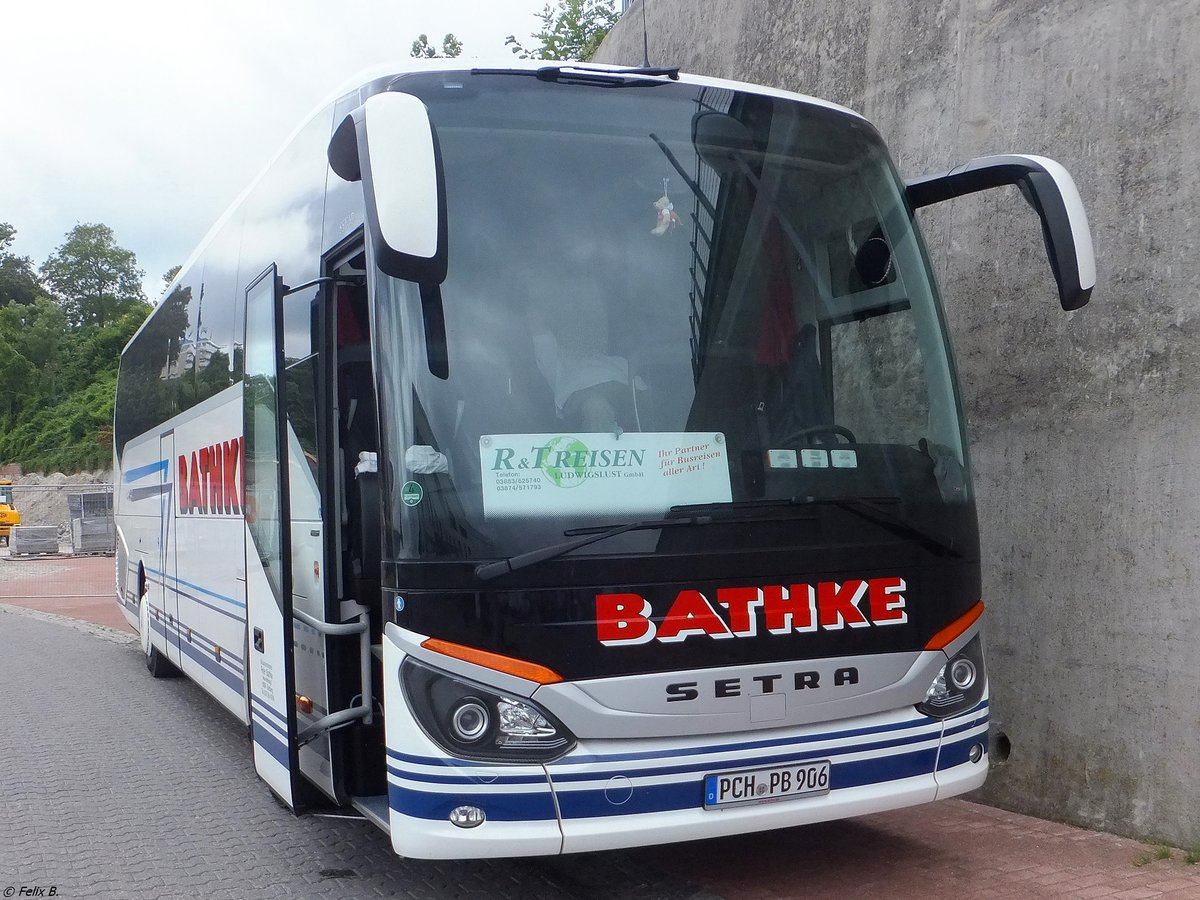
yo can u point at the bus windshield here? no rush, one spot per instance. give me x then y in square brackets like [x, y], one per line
[678, 296]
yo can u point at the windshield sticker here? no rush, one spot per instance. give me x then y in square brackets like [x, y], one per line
[411, 493]
[781, 459]
[814, 459]
[532, 474]
[844, 459]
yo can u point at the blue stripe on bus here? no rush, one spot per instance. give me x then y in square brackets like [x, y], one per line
[266, 739]
[491, 778]
[269, 714]
[799, 754]
[959, 752]
[601, 759]
[199, 639]
[586, 804]
[525, 807]
[265, 722]
[228, 678]
[195, 599]
[231, 676]
[796, 756]
[958, 729]
[690, 794]
[143, 471]
[196, 587]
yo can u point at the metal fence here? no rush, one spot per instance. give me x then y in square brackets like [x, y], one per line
[63, 519]
[63, 548]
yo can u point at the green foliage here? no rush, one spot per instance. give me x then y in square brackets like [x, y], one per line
[70, 436]
[422, 49]
[59, 356]
[573, 29]
[94, 280]
[18, 280]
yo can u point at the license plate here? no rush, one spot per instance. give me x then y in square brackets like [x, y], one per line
[760, 785]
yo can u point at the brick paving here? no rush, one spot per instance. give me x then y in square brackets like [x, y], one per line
[114, 784]
[952, 849]
[78, 586]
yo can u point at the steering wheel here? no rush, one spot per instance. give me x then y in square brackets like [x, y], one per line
[839, 430]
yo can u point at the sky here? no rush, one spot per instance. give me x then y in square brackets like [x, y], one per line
[152, 117]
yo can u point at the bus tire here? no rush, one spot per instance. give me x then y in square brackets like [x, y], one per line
[156, 664]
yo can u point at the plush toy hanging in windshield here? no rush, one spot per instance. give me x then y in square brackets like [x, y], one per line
[667, 218]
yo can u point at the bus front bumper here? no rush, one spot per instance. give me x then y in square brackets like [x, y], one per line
[607, 795]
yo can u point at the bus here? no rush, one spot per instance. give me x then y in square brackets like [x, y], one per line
[556, 457]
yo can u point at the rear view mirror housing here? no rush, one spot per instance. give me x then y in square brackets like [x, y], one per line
[390, 144]
[1053, 195]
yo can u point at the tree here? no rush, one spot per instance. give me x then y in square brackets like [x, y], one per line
[571, 30]
[422, 49]
[18, 280]
[92, 278]
[169, 275]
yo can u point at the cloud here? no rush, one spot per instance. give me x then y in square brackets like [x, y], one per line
[153, 117]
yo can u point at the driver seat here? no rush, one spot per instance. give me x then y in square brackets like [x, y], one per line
[796, 398]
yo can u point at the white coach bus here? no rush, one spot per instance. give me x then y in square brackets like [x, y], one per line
[554, 458]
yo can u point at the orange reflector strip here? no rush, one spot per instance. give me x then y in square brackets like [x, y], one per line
[506, 664]
[948, 634]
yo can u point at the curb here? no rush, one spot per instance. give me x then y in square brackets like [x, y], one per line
[103, 632]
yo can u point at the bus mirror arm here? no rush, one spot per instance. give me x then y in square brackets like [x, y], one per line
[390, 145]
[1052, 193]
[347, 282]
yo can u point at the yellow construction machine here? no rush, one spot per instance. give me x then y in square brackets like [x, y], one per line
[8, 511]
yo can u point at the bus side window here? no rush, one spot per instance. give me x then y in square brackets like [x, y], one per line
[301, 373]
[359, 440]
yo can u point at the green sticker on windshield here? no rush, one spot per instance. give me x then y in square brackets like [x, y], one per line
[411, 493]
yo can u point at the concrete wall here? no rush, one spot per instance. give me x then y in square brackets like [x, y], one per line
[1085, 426]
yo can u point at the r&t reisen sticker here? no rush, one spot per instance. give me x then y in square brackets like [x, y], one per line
[532, 474]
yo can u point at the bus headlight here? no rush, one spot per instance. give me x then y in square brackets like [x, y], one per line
[471, 721]
[959, 684]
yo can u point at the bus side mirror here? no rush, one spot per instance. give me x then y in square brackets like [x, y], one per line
[1050, 190]
[391, 146]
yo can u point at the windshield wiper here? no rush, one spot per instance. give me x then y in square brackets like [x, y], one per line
[590, 535]
[788, 507]
[868, 508]
[582, 537]
[633, 75]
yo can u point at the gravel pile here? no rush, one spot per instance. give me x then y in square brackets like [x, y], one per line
[42, 499]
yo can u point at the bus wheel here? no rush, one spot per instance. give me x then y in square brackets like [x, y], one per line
[156, 664]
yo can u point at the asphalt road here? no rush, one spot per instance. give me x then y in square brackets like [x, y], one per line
[114, 784]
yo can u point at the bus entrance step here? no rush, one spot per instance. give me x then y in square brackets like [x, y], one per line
[374, 808]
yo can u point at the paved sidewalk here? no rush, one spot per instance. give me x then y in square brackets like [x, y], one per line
[952, 849]
[117, 785]
[78, 586]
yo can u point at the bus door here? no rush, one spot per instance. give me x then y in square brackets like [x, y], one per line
[166, 622]
[268, 542]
